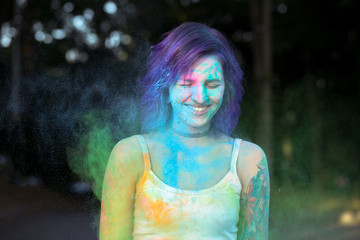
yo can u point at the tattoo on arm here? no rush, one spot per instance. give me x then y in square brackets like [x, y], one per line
[254, 208]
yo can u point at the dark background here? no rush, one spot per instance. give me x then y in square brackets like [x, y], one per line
[68, 93]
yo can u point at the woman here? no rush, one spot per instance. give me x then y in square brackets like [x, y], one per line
[183, 177]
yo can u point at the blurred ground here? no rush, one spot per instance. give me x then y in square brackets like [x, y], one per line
[313, 214]
[36, 213]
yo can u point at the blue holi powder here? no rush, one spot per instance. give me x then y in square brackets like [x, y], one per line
[183, 162]
[171, 173]
[177, 162]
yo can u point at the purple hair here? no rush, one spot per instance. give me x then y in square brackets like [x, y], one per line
[175, 55]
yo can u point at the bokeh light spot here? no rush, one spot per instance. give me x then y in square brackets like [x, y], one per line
[48, 38]
[282, 8]
[40, 36]
[247, 36]
[110, 7]
[58, 34]
[287, 148]
[79, 23]
[6, 29]
[72, 55]
[126, 39]
[122, 55]
[88, 14]
[92, 40]
[68, 7]
[113, 40]
[5, 41]
[37, 26]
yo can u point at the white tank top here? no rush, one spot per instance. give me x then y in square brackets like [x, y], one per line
[164, 212]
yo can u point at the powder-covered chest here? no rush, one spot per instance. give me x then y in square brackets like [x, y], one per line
[191, 170]
[168, 208]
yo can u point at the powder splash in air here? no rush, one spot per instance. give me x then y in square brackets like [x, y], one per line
[89, 158]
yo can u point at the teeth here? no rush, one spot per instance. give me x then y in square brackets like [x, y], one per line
[199, 109]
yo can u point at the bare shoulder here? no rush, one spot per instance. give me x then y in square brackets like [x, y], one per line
[251, 160]
[250, 153]
[128, 146]
[127, 154]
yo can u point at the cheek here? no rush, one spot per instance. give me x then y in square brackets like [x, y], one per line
[217, 96]
[179, 97]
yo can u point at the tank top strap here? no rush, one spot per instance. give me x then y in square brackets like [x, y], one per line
[235, 154]
[145, 152]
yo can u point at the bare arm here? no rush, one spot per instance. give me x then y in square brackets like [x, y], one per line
[255, 198]
[116, 221]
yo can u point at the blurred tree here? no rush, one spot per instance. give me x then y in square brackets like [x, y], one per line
[261, 18]
[15, 105]
[304, 83]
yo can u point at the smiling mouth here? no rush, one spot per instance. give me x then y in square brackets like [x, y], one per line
[198, 109]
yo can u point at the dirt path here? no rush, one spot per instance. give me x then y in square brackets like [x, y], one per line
[35, 213]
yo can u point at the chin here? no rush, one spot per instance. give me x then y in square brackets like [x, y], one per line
[198, 124]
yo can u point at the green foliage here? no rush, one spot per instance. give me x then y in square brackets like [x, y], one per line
[315, 135]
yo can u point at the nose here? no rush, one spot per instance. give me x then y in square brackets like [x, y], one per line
[199, 94]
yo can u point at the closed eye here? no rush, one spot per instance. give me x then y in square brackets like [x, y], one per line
[185, 83]
[214, 83]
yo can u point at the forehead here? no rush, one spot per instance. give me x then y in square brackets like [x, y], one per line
[206, 67]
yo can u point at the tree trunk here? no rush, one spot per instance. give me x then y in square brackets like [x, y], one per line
[261, 12]
[15, 128]
[15, 107]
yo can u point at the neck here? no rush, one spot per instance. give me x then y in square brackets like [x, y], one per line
[192, 135]
[189, 136]
[168, 136]
[188, 129]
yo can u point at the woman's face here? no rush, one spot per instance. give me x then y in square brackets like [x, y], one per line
[197, 96]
